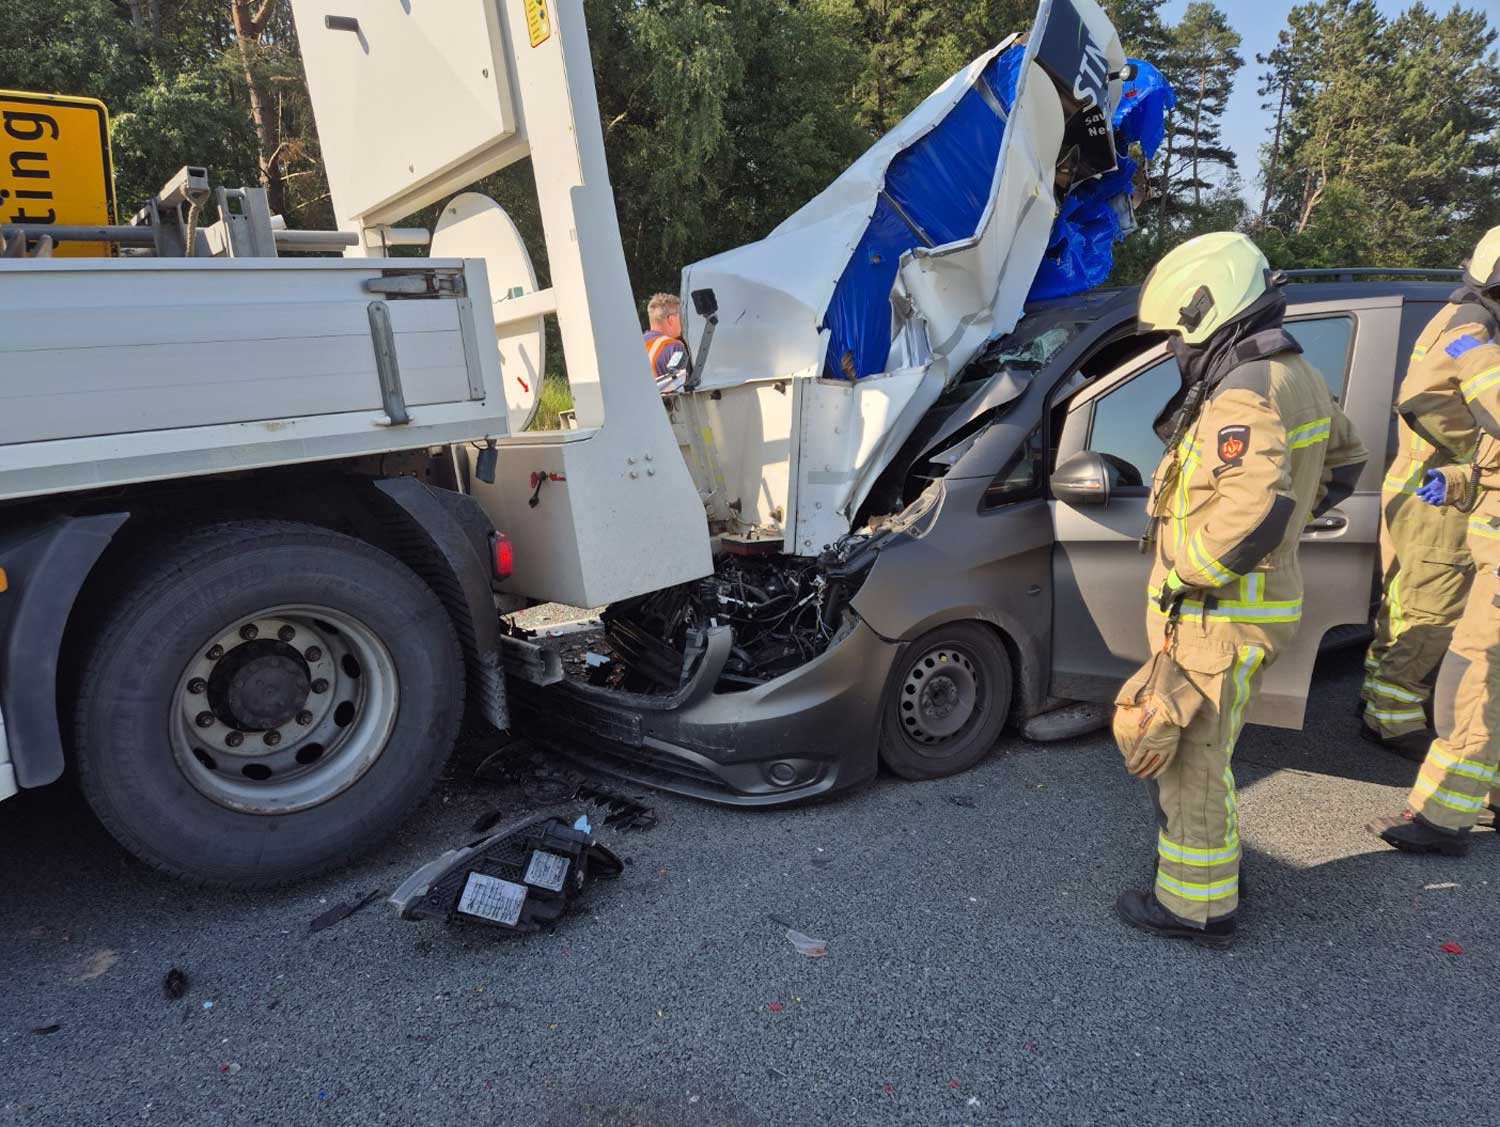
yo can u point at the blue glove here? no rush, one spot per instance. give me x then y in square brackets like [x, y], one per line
[1434, 488]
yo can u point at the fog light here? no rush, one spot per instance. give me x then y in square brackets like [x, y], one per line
[783, 774]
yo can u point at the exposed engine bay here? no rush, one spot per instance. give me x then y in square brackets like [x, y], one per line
[784, 612]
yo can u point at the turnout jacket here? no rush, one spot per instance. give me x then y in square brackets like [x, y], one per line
[1450, 403]
[1267, 450]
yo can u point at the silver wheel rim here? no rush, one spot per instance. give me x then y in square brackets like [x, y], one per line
[283, 709]
[941, 696]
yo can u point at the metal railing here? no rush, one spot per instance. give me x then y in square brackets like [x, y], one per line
[1350, 273]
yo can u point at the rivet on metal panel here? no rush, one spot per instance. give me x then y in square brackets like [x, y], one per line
[634, 473]
[648, 457]
[651, 473]
[629, 460]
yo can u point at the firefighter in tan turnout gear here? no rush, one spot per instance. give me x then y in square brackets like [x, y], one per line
[1256, 446]
[1424, 559]
[1458, 774]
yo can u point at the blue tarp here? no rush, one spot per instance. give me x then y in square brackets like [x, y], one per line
[937, 188]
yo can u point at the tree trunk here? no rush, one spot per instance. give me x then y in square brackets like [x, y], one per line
[1265, 202]
[249, 23]
[1166, 189]
[1197, 124]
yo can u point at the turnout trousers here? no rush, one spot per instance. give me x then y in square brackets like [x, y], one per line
[1426, 570]
[1456, 778]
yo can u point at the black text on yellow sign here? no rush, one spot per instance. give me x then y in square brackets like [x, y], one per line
[538, 21]
[55, 165]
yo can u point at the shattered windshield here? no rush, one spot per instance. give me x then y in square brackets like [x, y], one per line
[1029, 348]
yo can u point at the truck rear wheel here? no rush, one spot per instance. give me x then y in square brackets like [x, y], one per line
[265, 700]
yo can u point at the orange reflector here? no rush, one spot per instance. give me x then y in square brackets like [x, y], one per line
[4, 581]
[500, 554]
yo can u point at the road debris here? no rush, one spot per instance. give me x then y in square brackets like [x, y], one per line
[46, 1030]
[96, 965]
[545, 783]
[174, 985]
[523, 877]
[964, 800]
[230, 1067]
[1452, 948]
[341, 912]
[775, 1007]
[807, 945]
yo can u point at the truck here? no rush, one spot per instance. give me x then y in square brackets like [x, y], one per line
[261, 510]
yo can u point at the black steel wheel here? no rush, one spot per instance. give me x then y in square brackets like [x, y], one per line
[946, 702]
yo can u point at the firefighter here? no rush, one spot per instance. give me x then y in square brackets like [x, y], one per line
[1425, 563]
[1457, 775]
[1256, 446]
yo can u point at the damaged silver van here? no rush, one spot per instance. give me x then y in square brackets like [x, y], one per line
[993, 576]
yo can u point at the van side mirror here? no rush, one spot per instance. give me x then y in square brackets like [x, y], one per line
[1084, 479]
[705, 304]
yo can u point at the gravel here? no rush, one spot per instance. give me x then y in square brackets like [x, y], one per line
[975, 972]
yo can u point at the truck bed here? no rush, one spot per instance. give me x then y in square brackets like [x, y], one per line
[123, 370]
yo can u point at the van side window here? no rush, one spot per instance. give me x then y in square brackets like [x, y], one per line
[1124, 414]
[1325, 345]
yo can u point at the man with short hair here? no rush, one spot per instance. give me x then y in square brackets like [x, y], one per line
[664, 347]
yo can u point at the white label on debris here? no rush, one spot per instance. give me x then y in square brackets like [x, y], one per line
[492, 899]
[547, 870]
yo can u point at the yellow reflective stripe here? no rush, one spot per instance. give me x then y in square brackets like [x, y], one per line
[1281, 611]
[1371, 661]
[1207, 563]
[1429, 789]
[1481, 526]
[1395, 692]
[1408, 483]
[1309, 433]
[1469, 768]
[1190, 462]
[1393, 601]
[1474, 385]
[1252, 586]
[1395, 715]
[1418, 352]
[1166, 847]
[1193, 890]
[1249, 660]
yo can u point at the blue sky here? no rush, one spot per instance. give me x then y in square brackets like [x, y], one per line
[1246, 125]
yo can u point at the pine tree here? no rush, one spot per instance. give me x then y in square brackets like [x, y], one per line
[1202, 60]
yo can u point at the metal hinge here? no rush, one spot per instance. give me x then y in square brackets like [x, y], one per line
[418, 283]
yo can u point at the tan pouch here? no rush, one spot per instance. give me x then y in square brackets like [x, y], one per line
[1151, 711]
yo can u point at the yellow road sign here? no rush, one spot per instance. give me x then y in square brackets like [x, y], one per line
[55, 165]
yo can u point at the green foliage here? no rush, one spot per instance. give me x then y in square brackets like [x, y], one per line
[554, 398]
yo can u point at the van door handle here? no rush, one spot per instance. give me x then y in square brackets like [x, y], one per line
[1328, 522]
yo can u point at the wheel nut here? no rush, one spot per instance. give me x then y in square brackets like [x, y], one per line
[250, 630]
[234, 739]
[286, 633]
[272, 738]
[313, 653]
[205, 720]
[320, 686]
[304, 718]
[215, 652]
[197, 685]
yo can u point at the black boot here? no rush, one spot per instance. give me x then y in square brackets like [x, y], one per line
[1416, 835]
[1408, 745]
[1143, 910]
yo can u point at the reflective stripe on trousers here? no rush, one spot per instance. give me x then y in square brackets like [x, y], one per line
[1198, 839]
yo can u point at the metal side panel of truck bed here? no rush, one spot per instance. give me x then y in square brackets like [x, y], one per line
[124, 370]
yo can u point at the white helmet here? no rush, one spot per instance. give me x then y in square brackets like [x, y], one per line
[1203, 285]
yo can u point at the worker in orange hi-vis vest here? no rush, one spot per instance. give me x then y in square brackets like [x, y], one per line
[664, 347]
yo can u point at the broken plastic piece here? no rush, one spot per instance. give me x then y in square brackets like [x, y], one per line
[341, 912]
[522, 877]
[45, 1030]
[581, 824]
[1452, 948]
[807, 945]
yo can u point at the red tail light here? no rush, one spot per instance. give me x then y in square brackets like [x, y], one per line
[500, 554]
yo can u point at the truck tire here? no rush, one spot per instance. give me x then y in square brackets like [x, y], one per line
[264, 700]
[946, 702]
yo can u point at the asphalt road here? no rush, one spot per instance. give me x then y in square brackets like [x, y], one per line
[975, 971]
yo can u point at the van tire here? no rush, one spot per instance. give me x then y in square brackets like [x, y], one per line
[946, 702]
